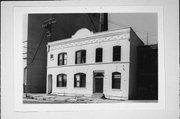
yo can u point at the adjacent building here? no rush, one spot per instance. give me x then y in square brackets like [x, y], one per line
[34, 48]
[90, 63]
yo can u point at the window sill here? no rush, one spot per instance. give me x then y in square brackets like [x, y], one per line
[62, 87]
[116, 89]
[62, 65]
[80, 88]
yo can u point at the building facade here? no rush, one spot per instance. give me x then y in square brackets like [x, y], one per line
[89, 63]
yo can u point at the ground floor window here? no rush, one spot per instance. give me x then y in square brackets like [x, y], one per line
[61, 80]
[116, 80]
[80, 80]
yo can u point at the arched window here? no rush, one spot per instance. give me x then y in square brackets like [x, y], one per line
[61, 80]
[116, 80]
[62, 58]
[99, 54]
[80, 56]
[117, 53]
[80, 80]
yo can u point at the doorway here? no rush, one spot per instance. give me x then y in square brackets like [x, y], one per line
[98, 81]
[49, 84]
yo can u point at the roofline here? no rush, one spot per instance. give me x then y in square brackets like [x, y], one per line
[136, 35]
[99, 34]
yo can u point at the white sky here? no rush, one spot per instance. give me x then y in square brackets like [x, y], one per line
[141, 23]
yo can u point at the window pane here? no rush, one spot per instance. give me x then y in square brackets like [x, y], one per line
[65, 77]
[80, 56]
[59, 81]
[59, 78]
[60, 56]
[65, 56]
[83, 58]
[65, 59]
[83, 82]
[77, 84]
[116, 80]
[80, 80]
[99, 55]
[77, 77]
[116, 53]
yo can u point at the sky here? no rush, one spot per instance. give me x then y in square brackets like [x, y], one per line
[141, 23]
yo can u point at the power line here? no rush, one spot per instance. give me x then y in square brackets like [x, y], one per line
[42, 38]
[92, 22]
[136, 29]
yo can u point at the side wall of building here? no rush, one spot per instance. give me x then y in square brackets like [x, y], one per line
[135, 41]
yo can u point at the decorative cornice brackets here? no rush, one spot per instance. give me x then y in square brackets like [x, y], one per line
[88, 40]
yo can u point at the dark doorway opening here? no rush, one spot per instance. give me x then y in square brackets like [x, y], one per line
[98, 82]
[49, 89]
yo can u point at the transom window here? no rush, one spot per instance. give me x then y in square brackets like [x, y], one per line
[117, 53]
[80, 80]
[62, 59]
[99, 54]
[61, 80]
[80, 56]
[116, 80]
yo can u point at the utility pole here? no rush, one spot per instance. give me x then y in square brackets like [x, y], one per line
[48, 26]
[147, 38]
[100, 21]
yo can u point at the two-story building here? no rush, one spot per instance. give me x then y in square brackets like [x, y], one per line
[89, 63]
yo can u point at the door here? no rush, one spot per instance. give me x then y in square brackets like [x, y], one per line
[49, 84]
[99, 85]
[98, 82]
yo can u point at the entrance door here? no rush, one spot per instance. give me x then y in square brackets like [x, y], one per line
[49, 84]
[98, 82]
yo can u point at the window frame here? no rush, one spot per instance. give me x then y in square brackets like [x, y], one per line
[116, 81]
[63, 82]
[116, 55]
[62, 61]
[99, 56]
[82, 82]
[82, 58]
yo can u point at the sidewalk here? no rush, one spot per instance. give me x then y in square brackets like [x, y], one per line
[51, 98]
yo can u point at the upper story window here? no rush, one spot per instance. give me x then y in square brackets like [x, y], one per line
[117, 53]
[51, 57]
[80, 80]
[80, 56]
[61, 80]
[62, 59]
[99, 54]
[116, 80]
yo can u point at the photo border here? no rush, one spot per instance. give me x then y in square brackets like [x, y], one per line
[19, 29]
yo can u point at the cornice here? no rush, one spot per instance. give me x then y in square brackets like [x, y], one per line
[96, 38]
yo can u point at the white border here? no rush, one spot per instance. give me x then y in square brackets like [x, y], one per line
[19, 13]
